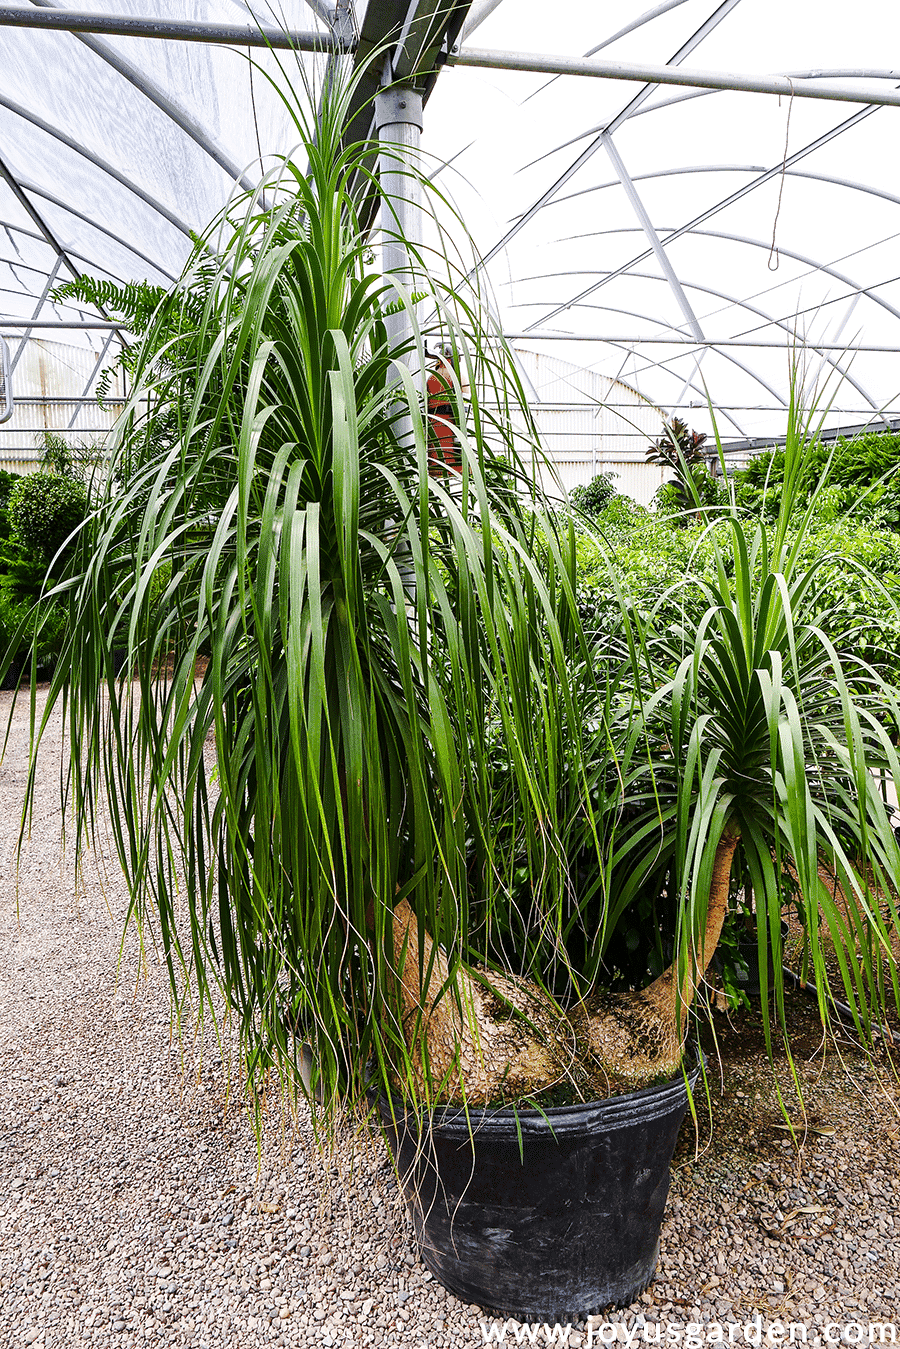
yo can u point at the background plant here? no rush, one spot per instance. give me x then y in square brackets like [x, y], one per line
[44, 509]
[863, 476]
[593, 498]
[38, 513]
[692, 487]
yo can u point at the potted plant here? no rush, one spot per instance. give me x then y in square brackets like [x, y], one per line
[430, 802]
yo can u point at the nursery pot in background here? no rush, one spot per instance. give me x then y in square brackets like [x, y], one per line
[541, 1215]
[748, 979]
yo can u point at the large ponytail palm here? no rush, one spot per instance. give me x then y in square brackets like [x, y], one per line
[326, 640]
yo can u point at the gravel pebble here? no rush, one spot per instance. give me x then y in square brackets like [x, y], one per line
[135, 1208]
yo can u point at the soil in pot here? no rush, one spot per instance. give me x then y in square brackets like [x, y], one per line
[548, 1215]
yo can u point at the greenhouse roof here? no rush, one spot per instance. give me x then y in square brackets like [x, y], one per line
[670, 194]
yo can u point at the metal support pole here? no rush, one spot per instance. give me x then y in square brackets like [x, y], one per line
[659, 252]
[187, 30]
[398, 119]
[653, 238]
[727, 80]
[62, 324]
[179, 30]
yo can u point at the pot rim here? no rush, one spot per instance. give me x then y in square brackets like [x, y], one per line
[613, 1112]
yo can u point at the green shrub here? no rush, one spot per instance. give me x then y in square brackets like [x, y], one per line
[595, 496]
[44, 508]
[864, 479]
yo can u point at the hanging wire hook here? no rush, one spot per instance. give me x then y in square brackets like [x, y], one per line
[773, 251]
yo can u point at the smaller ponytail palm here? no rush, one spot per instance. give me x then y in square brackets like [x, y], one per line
[755, 722]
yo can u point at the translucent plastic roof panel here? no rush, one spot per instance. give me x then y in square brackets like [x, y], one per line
[679, 238]
[122, 146]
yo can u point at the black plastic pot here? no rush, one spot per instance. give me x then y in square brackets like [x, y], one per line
[13, 676]
[541, 1216]
[748, 950]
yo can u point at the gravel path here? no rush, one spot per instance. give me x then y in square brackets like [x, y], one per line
[134, 1207]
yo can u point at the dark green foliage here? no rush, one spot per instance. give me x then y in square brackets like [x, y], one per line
[595, 496]
[863, 479]
[7, 483]
[29, 627]
[693, 488]
[28, 623]
[20, 575]
[44, 510]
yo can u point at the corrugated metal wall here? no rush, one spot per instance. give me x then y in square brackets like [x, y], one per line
[54, 386]
[590, 424]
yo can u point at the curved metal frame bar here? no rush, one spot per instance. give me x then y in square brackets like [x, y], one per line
[691, 347]
[815, 266]
[55, 19]
[160, 99]
[690, 226]
[101, 229]
[743, 304]
[731, 168]
[84, 153]
[70, 210]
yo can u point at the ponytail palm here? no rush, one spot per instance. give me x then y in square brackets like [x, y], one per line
[325, 641]
[757, 724]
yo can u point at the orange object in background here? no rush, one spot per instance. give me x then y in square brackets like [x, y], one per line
[443, 447]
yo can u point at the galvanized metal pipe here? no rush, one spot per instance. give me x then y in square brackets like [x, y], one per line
[848, 347]
[99, 163]
[187, 30]
[398, 119]
[181, 30]
[733, 81]
[63, 323]
[42, 401]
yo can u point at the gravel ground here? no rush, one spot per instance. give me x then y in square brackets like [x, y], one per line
[135, 1207]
